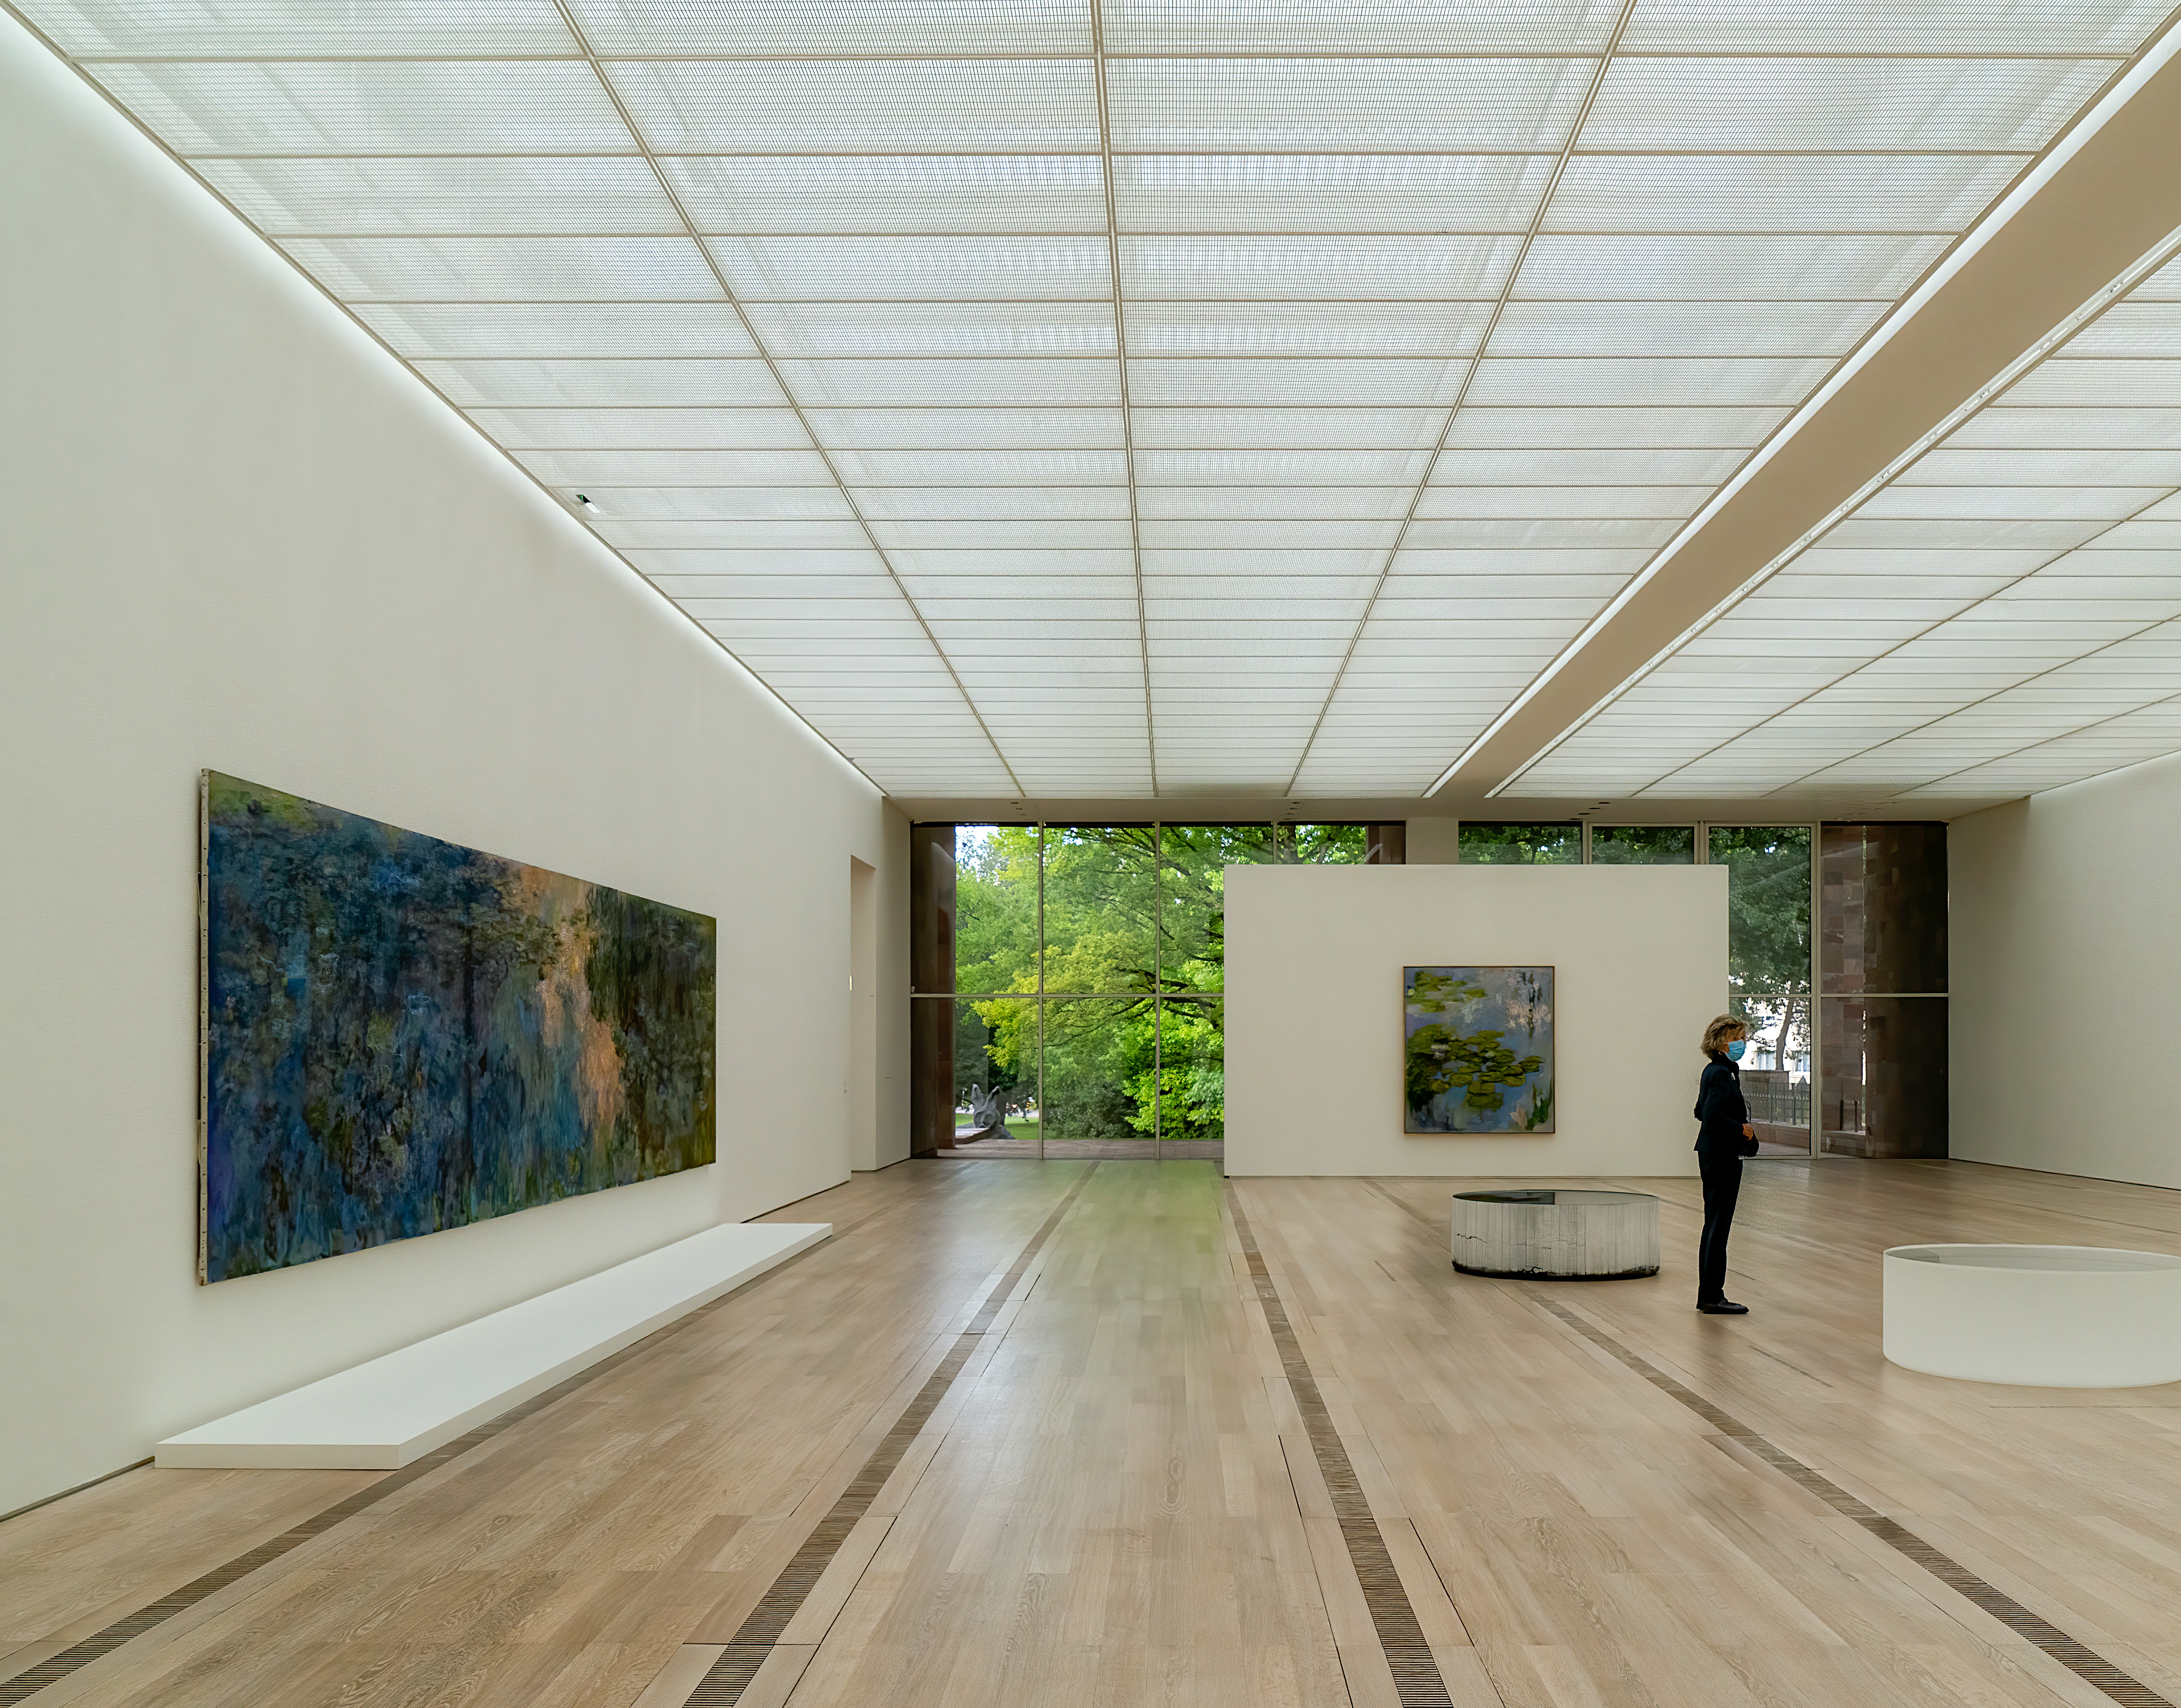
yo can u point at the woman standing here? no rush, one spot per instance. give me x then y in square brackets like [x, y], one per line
[1724, 1137]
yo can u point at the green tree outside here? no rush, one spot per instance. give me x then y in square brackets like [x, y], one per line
[1135, 916]
[1768, 931]
[1519, 844]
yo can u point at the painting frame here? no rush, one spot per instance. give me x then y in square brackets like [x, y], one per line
[1461, 1075]
[399, 1035]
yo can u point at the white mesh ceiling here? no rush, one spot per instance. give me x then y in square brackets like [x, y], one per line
[2003, 615]
[1060, 398]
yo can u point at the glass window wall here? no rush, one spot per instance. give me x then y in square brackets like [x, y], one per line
[1643, 845]
[1519, 844]
[1768, 973]
[1068, 980]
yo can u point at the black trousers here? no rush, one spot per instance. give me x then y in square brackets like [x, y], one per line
[1722, 1185]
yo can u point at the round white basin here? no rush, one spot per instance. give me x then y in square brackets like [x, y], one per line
[2035, 1316]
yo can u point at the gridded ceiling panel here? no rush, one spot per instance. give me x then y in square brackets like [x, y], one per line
[402, 196]
[1963, 633]
[665, 28]
[603, 381]
[1300, 105]
[371, 107]
[1241, 268]
[1418, 193]
[1007, 327]
[550, 329]
[1879, 27]
[856, 107]
[1548, 28]
[502, 269]
[1931, 104]
[1213, 395]
[891, 194]
[1858, 193]
[395, 29]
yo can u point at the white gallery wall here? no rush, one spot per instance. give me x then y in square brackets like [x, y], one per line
[2064, 929]
[238, 535]
[1314, 1011]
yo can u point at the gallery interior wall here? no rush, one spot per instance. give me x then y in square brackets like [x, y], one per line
[239, 535]
[1432, 841]
[1314, 966]
[2065, 930]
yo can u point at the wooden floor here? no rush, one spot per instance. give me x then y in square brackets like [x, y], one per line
[1116, 1501]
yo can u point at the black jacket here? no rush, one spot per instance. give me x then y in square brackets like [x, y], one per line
[1720, 1110]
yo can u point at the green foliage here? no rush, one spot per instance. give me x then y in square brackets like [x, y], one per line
[1130, 912]
[1190, 1075]
[1519, 844]
[1768, 906]
[1643, 844]
[996, 911]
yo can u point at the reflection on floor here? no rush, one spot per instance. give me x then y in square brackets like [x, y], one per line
[1139, 1150]
[1122, 1482]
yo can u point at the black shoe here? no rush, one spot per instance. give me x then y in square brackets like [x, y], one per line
[1722, 1308]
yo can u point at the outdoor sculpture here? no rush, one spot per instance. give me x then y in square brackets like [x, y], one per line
[988, 1116]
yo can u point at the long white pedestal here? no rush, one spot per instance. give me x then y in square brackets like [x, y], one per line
[2035, 1316]
[384, 1414]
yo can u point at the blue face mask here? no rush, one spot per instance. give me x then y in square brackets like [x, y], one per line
[1735, 1049]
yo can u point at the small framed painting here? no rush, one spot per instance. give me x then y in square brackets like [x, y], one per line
[1477, 1049]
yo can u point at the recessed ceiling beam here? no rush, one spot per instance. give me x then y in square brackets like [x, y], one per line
[2079, 222]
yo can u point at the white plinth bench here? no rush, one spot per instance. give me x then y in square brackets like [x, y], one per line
[392, 1411]
[1551, 1233]
[2035, 1316]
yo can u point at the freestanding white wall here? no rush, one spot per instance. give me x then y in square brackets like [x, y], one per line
[1314, 960]
[2064, 941]
[238, 534]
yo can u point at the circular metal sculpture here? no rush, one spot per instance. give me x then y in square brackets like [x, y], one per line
[2035, 1316]
[1556, 1234]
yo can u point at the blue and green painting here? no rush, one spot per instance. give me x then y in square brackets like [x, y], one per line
[404, 1034]
[1478, 1050]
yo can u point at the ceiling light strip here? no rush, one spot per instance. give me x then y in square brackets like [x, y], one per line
[2166, 250]
[2152, 59]
[372, 332]
[1228, 234]
[1469, 375]
[1317, 150]
[766, 356]
[1121, 362]
[1153, 55]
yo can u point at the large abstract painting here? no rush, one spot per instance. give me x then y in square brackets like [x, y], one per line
[1478, 1050]
[403, 1035]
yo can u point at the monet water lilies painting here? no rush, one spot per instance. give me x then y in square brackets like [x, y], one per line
[1478, 1055]
[403, 1035]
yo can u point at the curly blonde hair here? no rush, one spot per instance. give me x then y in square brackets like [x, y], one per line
[1721, 1031]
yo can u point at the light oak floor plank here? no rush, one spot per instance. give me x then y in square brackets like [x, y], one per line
[1117, 1503]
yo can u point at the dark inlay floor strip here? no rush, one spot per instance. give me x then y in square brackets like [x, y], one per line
[1417, 1678]
[20, 1686]
[723, 1685]
[2083, 1661]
